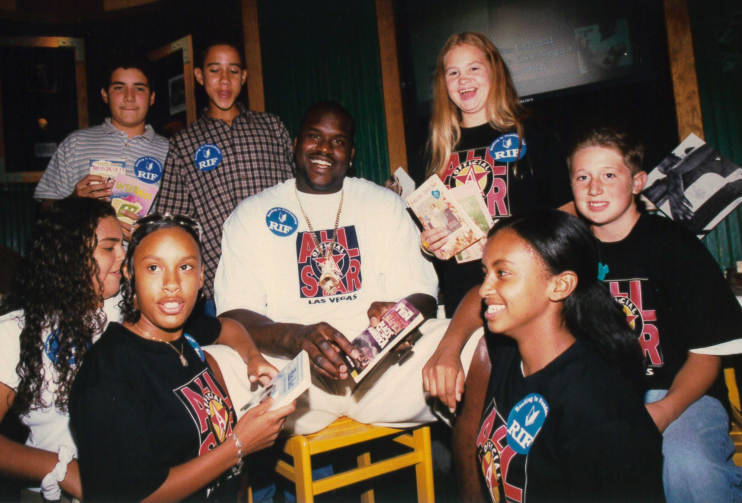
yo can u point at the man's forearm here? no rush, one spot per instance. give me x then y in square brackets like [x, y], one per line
[273, 339]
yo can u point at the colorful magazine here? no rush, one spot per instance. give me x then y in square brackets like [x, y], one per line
[695, 185]
[375, 342]
[436, 208]
[109, 169]
[131, 194]
[287, 386]
[471, 199]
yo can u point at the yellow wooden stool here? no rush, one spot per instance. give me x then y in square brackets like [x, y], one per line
[736, 431]
[343, 433]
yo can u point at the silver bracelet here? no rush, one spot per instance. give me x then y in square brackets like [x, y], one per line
[237, 469]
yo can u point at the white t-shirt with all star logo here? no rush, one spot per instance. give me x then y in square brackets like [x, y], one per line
[49, 427]
[270, 264]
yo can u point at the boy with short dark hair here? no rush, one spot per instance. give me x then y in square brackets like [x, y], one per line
[230, 153]
[680, 307]
[124, 139]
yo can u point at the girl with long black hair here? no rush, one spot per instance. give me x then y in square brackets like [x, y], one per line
[563, 417]
[62, 299]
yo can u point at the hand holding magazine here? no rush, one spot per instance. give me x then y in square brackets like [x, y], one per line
[287, 386]
[436, 208]
[375, 342]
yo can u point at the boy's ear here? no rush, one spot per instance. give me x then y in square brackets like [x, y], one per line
[151, 98]
[640, 180]
[201, 278]
[563, 285]
[244, 76]
[104, 95]
[199, 75]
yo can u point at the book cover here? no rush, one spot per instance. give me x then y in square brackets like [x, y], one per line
[131, 194]
[695, 185]
[436, 208]
[471, 199]
[109, 169]
[375, 342]
[287, 386]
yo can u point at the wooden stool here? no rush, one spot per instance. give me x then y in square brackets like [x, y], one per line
[345, 432]
[736, 431]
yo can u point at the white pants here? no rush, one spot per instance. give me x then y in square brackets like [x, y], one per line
[392, 395]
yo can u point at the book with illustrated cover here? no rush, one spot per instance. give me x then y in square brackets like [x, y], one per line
[287, 386]
[131, 194]
[471, 199]
[436, 208]
[695, 185]
[375, 342]
[108, 169]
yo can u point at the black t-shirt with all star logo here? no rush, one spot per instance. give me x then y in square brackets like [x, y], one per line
[486, 156]
[137, 412]
[573, 431]
[674, 295]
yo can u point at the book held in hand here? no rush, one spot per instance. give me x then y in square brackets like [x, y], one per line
[375, 342]
[108, 169]
[436, 208]
[695, 185]
[287, 386]
[131, 194]
[471, 199]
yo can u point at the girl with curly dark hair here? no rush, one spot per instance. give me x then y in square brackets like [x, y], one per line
[63, 297]
[171, 431]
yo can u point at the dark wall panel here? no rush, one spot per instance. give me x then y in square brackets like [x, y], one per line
[327, 50]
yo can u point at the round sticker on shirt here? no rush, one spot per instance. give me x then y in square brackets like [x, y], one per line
[525, 421]
[281, 222]
[208, 156]
[51, 348]
[148, 169]
[195, 345]
[505, 148]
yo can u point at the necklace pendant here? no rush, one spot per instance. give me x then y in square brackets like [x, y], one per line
[183, 361]
[329, 282]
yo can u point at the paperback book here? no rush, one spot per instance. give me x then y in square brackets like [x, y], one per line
[471, 199]
[109, 170]
[376, 342]
[131, 194]
[436, 208]
[287, 386]
[695, 185]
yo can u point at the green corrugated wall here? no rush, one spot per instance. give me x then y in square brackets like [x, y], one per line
[327, 50]
[717, 41]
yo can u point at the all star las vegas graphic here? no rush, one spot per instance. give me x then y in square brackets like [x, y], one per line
[211, 410]
[345, 254]
[488, 168]
[502, 447]
[630, 294]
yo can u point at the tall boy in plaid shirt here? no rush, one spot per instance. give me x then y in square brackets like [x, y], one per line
[227, 155]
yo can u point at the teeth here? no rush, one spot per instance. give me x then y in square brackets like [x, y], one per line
[171, 305]
[495, 309]
[320, 162]
[467, 90]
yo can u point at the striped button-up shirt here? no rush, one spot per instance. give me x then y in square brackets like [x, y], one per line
[71, 161]
[255, 153]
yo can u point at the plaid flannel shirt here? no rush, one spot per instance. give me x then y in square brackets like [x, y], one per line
[256, 154]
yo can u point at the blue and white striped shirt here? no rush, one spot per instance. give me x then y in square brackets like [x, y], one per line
[71, 162]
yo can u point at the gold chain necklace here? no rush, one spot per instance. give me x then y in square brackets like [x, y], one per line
[183, 361]
[329, 279]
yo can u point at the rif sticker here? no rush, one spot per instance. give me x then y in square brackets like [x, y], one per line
[525, 421]
[281, 222]
[505, 148]
[208, 156]
[195, 345]
[148, 169]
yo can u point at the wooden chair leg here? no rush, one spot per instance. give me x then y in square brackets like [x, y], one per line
[424, 470]
[363, 461]
[303, 470]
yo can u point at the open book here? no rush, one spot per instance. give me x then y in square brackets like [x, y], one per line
[375, 342]
[131, 194]
[435, 207]
[289, 383]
